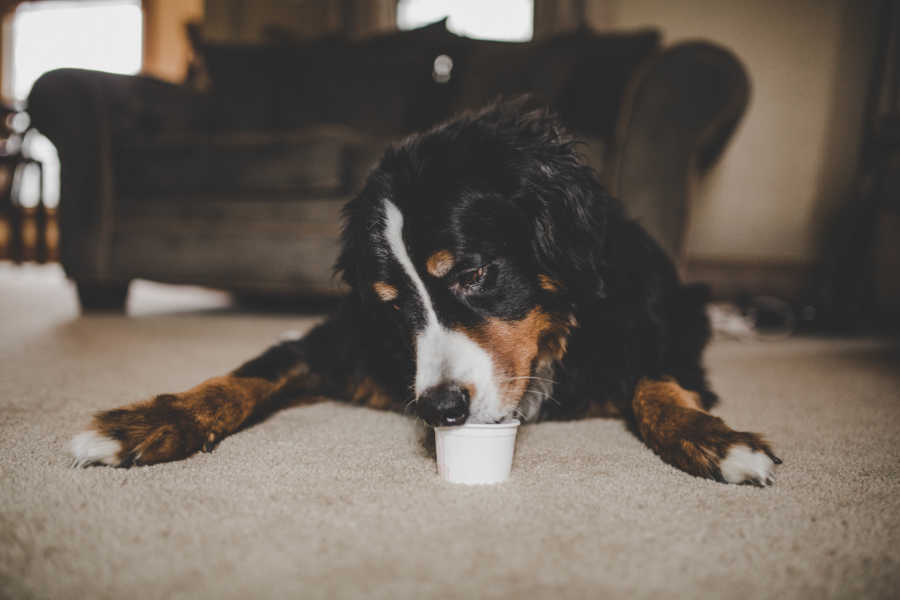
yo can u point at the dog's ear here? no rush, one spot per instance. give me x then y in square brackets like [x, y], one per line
[568, 208]
[562, 196]
[569, 230]
[360, 218]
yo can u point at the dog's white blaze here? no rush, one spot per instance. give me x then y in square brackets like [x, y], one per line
[444, 355]
[393, 233]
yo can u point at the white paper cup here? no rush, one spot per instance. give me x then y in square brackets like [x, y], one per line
[475, 454]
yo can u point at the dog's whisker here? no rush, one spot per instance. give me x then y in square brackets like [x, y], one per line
[540, 393]
[546, 396]
[531, 377]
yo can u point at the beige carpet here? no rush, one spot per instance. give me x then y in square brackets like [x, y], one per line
[331, 501]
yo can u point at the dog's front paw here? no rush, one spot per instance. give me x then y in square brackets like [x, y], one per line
[739, 457]
[143, 433]
[704, 445]
[91, 447]
[743, 464]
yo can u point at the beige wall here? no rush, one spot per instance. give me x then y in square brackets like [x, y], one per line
[257, 20]
[792, 160]
[167, 49]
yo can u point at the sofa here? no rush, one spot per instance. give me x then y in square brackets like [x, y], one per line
[238, 183]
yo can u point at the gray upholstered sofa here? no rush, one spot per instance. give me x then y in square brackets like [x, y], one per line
[239, 186]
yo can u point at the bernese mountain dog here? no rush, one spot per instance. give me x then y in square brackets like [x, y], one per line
[491, 278]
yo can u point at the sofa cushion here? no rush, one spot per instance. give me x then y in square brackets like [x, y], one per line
[592, 99]
[382, 85]
[582, 74]
[319, 160]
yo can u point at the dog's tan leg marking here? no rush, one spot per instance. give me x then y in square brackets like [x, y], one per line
[673, 424]
[667, 390]
[175, 426]
[368, 392]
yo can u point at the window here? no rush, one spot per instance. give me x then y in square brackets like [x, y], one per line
[100, 35]
[508, 20]
[104, 35]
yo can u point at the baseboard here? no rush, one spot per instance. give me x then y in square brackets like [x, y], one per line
[729, 279]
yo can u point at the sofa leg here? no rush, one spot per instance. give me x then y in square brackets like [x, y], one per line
[102, 296]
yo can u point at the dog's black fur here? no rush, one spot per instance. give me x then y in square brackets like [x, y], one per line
[518, 179]
[540, 256]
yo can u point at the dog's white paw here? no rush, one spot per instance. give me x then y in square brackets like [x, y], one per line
[745, 465]
[90, 447]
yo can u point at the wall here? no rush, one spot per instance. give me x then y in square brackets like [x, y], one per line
[260, 20]
[167, 50]
[792, 160]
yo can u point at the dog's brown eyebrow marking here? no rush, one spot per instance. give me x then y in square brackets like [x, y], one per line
[385, 291]
[440, 263]
[548, 283]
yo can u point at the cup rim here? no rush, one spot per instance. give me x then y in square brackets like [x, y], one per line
[507, 425]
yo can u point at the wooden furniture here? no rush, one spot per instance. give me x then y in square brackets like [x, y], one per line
[26, 227]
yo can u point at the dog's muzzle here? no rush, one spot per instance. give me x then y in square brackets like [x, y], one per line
[444, 405]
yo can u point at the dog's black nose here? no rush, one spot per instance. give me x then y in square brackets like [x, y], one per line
[444, 404]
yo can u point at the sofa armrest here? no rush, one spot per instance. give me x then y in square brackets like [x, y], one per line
[87, 115]
[679, 113]
[132, 105]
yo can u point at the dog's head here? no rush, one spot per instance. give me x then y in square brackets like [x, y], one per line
[473, 243]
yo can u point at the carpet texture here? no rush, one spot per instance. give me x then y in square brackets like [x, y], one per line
[331, 501]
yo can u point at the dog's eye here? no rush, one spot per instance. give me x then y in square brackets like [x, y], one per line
[472, 278]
